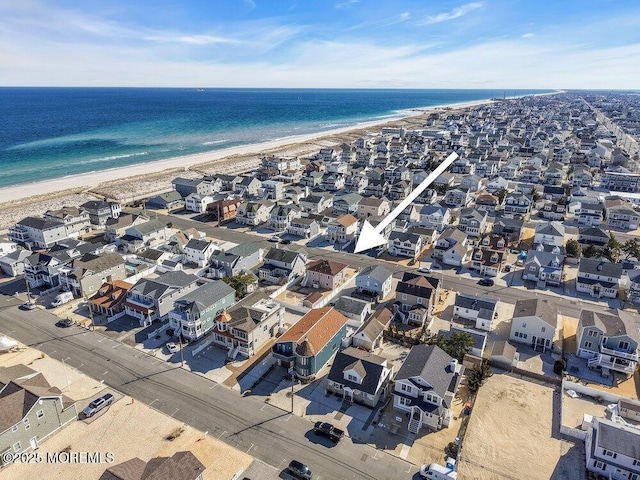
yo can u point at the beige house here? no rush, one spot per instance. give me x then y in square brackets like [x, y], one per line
[343, 229]
[535, 323]
[373, 207]
[325, 274]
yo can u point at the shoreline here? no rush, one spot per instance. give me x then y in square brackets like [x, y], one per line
[87, 182]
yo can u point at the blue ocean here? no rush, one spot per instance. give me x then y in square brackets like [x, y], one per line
[48, 133]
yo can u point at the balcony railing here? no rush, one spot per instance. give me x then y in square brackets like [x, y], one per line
[619, 353]
[599, 361]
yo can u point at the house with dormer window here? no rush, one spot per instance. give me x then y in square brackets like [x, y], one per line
[599, 278]
[281, 266]
[517, 205]
[359, 376]
[472, 221]
[609, 341]
[437, 217]
[416, 297]
[611, 449]
[405, 244]
[481, 310]
[425, 387]
[488, 257]
[544, 266]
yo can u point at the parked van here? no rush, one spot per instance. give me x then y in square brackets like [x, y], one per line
[435, 471]
[61, 299]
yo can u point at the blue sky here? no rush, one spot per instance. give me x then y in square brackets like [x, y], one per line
[315, 43]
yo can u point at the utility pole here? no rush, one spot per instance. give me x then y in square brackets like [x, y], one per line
[181, 354]
[86, 299]
[26, 281]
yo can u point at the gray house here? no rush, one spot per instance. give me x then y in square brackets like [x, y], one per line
[359, 376]
[609, 342]
[241, 258]
[166, 201]
[374, 282]
[481, 310]
[86, 275]
[34, 232]
[32, 410]
[354, 309]
[195, 313]
[281, 266]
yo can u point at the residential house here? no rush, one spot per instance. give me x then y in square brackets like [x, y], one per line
[325, 274]
[239, 259]
[535, 323]
[316, 203]
[599, 278]
[471, 183]
[399, 190]
[197, 203]
[509, 228]
[497, 184]
[371, 334]
[354, 309]
[254, 213]
[179, 466]
[282, 215]
[152, 299]
[489, 256]
[36, 233]
[166, 201]
[303, 227]
[623, 216]
[416, 297]
[281, 266]
[437, 217]
[188, 186]
[12, 263]
[590, 214]
[373, 207]
[312, 179]
[248, 187]
[609, 341]
[198, 252]
[117, 227]
[453, 248]
[479, 309]
[249, 325]
[593, 236]
[544, 266]
[85, 275]
[144, 235]
[110, 297]
[195, 313]
[271, 190]
[101, 210]
[553, 211]
[517, 205]
[611, 449]
[223, 209]
[425, 387]
[75, 219]
[405, 244]
[549, 233]
[32, 411]
[359, 376]
[311, 342]
[346, 204]
[485, 202]
[343, 229]
[333, 182]
[374, 282]
[504, 355]
[479, 338]
[457, 197]
[472, 221]
[356, 183]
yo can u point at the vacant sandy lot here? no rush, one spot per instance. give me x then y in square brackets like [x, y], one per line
[510, 435]
[126, 430]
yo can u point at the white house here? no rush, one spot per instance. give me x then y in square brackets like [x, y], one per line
[535, 323]
[599, 278]
[197, 203]
[481, 310]
[611, 449]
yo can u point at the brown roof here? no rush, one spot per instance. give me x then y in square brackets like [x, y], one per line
[180, 466]
[327, 267]
[315, 329]
[346, 220]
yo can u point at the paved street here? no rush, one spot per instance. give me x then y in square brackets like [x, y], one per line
[265, 432]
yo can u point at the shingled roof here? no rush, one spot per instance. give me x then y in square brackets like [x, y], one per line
[315, 329]
[326, 267]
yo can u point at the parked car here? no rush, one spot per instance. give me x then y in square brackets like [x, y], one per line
[507, 268]
[275, 238]
[300, 470]
[425, 270]
[28, 306]
[61, 299]
[98, 404]
[286, 242]
[486, 282]
[64, 323]
[172, 347]
[437, 472]
[328, 430]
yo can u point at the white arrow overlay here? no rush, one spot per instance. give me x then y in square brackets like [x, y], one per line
[370, 237]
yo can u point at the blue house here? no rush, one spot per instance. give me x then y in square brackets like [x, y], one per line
[309, 344]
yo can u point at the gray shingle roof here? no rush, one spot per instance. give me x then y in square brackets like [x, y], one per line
[205, 296]
[377, 272]
[368, 365]
[196, 244]
[624, 440]
[476, 303]
[600, 267]
[349, 305]
[538, 308]
[40, 223]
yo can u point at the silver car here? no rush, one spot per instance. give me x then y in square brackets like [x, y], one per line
[98, 404]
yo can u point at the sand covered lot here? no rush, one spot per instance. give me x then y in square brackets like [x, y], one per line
[511, 435]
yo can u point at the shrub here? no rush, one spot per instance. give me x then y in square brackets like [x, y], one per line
[560, 366]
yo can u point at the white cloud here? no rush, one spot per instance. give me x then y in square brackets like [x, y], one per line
[189, 39]
[346, 4]
[455, 13]
[528, 35]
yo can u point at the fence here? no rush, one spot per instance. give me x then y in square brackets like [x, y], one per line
[606, 397]
[281, 289]
[536, 376]
[201, 347]
[158, 331]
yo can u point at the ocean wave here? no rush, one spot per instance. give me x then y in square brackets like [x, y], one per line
[214, 142]
[111, 157]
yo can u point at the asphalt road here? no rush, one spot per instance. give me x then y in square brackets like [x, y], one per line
[565, 304]
[263, 431]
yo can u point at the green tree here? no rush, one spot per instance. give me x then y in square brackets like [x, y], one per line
[631, 248]
[240, 283]
[573, 248]
[613, 249]
[501, 194]
[477, 376]
[457, 344]
[591, 251]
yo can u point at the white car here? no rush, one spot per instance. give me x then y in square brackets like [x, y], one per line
[425, 270]
[172, 347]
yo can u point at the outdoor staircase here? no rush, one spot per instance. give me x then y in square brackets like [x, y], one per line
[414, 425]
[233, 352]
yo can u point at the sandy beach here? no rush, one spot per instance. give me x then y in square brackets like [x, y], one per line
[141, 180]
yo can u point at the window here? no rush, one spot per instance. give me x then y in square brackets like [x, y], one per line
[524, 325]
[16, 447]
[404, 296]
[405, 401]
[609, 453]
[623, 345]
[405, 388]
[592, 333]
[352, 378]
[525, 335]
[588, 345]
[420, 300]
[14, 429]
[27, 425]
[543, 329]
[636, 463]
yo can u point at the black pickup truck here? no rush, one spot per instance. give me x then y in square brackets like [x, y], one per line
[328, 430]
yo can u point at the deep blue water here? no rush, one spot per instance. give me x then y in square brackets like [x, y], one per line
[48, 133]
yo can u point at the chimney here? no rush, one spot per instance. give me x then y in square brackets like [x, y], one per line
[454, 364]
